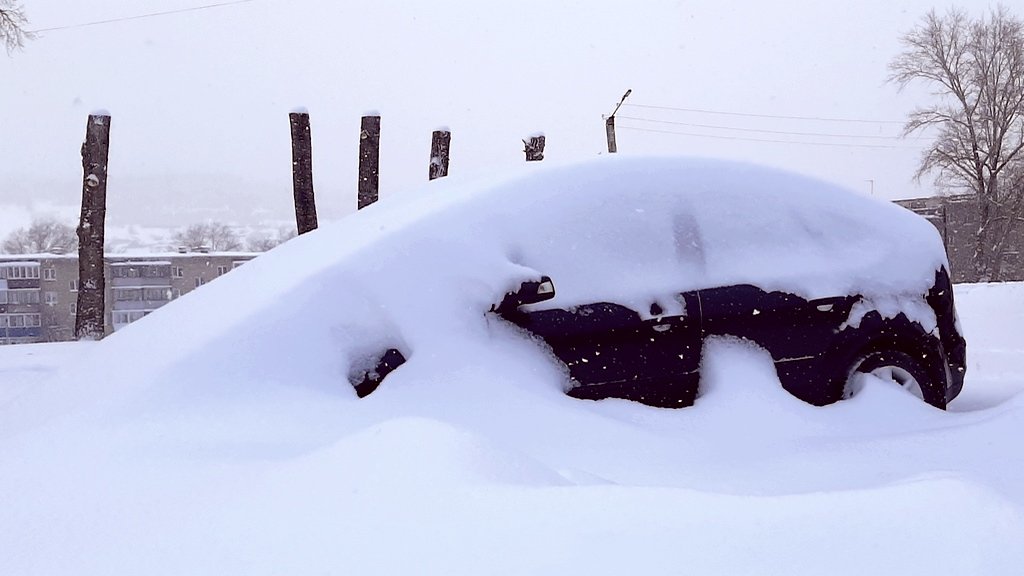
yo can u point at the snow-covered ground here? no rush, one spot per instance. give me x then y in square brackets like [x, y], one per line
[746, 482]
[219, 435]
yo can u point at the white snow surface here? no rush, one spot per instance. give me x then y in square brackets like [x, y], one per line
[219, 435]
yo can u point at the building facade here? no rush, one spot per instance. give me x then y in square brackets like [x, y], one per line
[39, 292]
[20, 307]
[956, 218]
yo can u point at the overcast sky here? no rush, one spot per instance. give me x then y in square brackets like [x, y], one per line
[200, 99]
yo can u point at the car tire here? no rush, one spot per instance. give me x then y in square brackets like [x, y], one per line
[898, 367]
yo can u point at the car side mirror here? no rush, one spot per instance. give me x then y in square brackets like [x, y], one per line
[533, 292]
[529, 292]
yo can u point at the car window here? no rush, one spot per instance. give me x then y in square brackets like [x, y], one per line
[689, 244]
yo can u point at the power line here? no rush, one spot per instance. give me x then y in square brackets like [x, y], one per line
[766, 140]
[716, 127]
[141, 16]
[776, 116]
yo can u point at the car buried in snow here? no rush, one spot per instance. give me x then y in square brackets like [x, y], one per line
[640, 261]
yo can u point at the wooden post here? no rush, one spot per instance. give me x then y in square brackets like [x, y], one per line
[369, 160]
[302, 172]
[609, 128]
[439, 154]
[534, 148]
[90, 310]
[609, 124]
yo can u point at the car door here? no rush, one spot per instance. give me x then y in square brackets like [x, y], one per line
[796, 332]
[612, 351]
[785, 324]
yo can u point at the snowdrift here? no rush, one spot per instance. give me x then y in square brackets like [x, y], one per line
[220, 434]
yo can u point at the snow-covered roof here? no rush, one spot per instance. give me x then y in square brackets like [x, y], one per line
[134, 255]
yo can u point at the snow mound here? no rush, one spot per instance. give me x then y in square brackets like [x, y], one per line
[220, 433]
[431, 262]
[417, 454]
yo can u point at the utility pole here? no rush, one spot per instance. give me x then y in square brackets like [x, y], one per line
[609, 124]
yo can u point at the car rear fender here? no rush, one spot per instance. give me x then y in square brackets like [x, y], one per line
[877, 334]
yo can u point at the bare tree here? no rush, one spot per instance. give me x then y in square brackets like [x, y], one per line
[215, 236]
[264, 241]
[45, 235]
[976, 66]
[12, 25]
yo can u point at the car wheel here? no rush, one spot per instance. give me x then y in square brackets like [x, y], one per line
[897, 367]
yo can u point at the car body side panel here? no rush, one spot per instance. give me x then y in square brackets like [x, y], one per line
[940, 298]
[611, 351]
[786, 325]
[795, 331]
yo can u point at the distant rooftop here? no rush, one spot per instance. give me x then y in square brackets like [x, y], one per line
[133, 256]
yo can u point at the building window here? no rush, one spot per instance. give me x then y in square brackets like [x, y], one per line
[49, 274]
[73, 307]
[122, 294]
[156, 294]
[73, 285]
[19, 272]
[128, 317]
[199, 282]
[19, 297]
[133, 272]
[19, 321]
[177, 272]
[50, 298]
[222, 270]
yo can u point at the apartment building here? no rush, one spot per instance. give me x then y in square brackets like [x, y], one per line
[20, 313]
[39, 292]
[956, 219]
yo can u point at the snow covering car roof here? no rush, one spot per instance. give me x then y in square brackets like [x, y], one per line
[629, 228]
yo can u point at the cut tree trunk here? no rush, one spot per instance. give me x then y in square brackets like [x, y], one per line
[302, 172]
[89, 321]
[534, 148]
[439, 154]
[369, 160]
